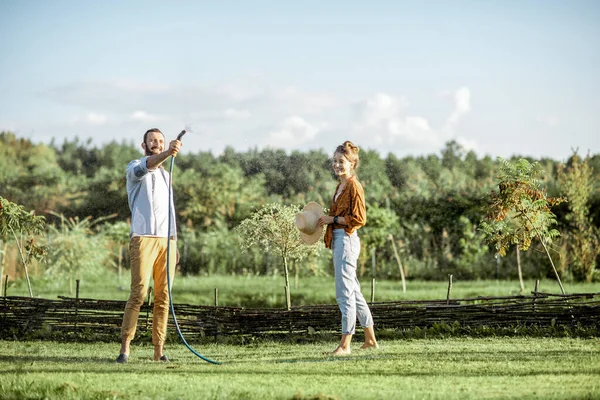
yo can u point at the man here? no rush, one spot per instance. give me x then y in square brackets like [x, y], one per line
[148, 194]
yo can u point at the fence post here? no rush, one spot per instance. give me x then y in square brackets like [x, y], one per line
[215, 313]
[5, 285]
[288, 301]
[449, 288]
[76, 302]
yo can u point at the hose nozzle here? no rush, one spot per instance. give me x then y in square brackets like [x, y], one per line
[183, 132]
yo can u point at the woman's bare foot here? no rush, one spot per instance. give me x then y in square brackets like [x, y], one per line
[369, 345]
[340, 351]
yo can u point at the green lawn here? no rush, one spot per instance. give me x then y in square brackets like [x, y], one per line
[455, 368]
[260, 291]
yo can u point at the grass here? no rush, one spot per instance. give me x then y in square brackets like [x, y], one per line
[261, 291]
[454, 368]
[434, 368]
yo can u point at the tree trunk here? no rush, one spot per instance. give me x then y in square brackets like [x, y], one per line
[562, 289]
[399, 263]
[519, 270]
[288, 302]
[24, 261]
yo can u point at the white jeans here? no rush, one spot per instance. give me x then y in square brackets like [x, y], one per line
[352, 303]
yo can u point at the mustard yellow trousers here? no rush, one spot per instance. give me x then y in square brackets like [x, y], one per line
[149, 258]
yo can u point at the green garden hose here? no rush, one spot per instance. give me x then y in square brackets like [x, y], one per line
[183, 132]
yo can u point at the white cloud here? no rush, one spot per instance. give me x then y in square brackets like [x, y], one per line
[293, 131]
[221, 113]
[462, 105]
[468, 144]
[382, 108]
[384, 120]
[237, 114]
[241, 91]
[295, 100]
[91, 119]
[384, 117]
[143, 116]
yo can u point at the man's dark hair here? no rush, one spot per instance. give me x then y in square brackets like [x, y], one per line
[152, 130]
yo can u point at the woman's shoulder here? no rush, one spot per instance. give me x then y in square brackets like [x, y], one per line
[355, 184]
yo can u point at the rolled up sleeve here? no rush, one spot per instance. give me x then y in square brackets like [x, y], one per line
[136, 169]
[357, 212]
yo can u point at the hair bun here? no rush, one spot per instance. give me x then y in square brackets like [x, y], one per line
[351, 146]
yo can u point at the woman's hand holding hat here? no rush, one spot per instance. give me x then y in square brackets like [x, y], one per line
[307, 221]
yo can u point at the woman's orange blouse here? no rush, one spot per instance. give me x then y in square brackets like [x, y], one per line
[351, 205]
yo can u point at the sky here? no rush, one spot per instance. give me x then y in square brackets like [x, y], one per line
[500, 77]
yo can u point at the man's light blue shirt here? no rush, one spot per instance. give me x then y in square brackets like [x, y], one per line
[148, 195]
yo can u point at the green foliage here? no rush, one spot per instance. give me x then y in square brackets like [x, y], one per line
[16, 222]
[372, 174]
[273, 228]
[104, 191]
[96, 184]
[30, 174]
[216, 251]
[74, 250]
[381, 223]
[473, 253]
[425, 196]
[116, 238]
[218, 194]
[117, 232]
[81, 158]
[287, 176]
[582, 243]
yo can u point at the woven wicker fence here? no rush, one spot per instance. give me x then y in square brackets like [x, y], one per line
[68, 316]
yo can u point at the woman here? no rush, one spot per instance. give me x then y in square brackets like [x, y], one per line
[346, 215]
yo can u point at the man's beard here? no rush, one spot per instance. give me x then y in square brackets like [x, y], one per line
[151, 152]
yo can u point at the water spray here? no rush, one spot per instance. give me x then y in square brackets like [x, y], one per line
[183, 132]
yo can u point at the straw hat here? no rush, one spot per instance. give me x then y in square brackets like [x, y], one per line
[306, 221]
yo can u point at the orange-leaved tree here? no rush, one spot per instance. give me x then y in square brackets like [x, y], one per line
[520, 210]
[23, 227]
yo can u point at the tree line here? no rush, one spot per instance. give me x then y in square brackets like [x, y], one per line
[424, 212]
